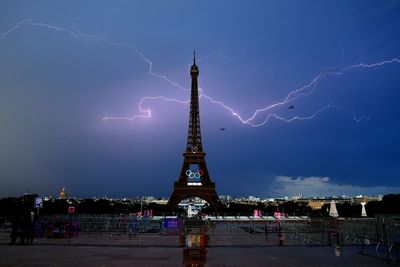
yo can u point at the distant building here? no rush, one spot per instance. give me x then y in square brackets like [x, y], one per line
[254, 199]
[63, 194]
[357, 200]
[226, 198]
[316, 204]
[297, 196]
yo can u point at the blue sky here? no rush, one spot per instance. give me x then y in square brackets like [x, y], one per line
[66, 65]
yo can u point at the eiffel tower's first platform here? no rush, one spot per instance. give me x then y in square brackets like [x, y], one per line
[194, 179]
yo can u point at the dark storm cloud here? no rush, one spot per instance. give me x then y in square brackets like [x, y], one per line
[55, 88]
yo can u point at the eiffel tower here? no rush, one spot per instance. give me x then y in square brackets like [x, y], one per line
[194, 179]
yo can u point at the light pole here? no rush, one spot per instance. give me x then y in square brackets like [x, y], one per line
[141, 206]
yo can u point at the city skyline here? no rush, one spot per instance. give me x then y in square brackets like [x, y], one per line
[294, 97]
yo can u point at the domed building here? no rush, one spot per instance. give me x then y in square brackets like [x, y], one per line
[63, 194]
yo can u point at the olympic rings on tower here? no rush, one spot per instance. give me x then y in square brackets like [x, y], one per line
[194, 175]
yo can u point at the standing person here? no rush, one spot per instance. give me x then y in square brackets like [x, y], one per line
[24, 228]
[31, 228]
[266, 232]
[280, 234]
[15, 226]
[134, 224]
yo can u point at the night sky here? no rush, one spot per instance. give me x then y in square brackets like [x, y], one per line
[65, 65]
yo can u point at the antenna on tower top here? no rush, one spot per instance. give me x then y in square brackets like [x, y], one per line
[194, 57]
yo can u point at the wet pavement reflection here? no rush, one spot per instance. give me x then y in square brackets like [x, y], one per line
[194, 241]
[194, 254]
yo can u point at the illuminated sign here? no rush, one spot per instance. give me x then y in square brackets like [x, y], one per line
[194, 177]
[38, 202]
[279, 215]
[71, 209]
[172, 223]
[257, 213]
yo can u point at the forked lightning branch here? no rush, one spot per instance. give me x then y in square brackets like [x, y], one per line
[259, 117]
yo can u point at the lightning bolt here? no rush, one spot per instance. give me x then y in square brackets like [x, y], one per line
[146, 113]
[287, 120]
[310, 86]
[75, 33]
[306, 90]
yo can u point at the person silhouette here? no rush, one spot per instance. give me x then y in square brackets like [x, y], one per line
[31, 228]
[15, 227]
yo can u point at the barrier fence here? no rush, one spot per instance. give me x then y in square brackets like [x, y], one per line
[379, 236]
[349, 230]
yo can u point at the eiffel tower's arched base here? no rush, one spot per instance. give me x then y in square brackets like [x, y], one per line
[206, 192]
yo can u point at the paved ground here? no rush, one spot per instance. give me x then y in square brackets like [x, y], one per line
[42, 255]
[236, 248]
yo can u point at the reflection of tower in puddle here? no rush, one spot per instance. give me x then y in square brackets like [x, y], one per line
[338, 250]
[194, 253]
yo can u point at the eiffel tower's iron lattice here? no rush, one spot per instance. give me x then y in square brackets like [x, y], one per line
[194, 179]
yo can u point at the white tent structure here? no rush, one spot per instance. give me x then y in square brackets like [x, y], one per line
[363, 211]
[191, 211]
[332, 210]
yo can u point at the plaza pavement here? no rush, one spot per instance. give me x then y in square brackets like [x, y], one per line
[233, 249]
